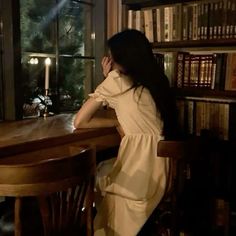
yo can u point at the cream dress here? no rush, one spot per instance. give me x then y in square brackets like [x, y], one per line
[135, 181]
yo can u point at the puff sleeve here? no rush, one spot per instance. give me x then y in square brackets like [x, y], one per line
[108, 90]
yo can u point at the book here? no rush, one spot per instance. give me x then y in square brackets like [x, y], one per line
[148, 24]
[223, 121]
[185, 22]
[180, 69]
[181, 105]
[218, 80]
[131, 17]
[194, 70]
[170, 64]
[139, 21]
[168, 23]
[230, 77]
[159, 25]
[191, 117]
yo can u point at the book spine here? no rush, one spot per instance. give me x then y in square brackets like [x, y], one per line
[211, 19]
[190, 21]
[148, 24]
[174, 22]
[213, 69]
[190, 117]
[186, 76]
[194, 73]
[185, 22]
[130, 19]
[168, 24]
[199, 21]
[215, 19]
[179, 22]
[139, 21]
[195, 22]
[230, 79]
[158, 24]
[180, 70]
[220, 20]
[222, 73]
[232, 18]
[224, 19]
[228, 10]
[205, 21]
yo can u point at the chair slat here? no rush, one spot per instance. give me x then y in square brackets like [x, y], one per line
[62, 186]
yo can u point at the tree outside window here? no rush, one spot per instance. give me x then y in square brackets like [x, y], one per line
[63, 31]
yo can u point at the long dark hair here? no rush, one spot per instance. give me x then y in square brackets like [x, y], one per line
[132, 50]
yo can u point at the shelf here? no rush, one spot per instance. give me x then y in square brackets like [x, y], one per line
[206, 95]
[149, 3]
[213, 44]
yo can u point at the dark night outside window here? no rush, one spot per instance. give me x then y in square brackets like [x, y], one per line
[62, 31]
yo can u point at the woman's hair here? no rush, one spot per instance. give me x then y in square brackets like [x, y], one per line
[132, 50]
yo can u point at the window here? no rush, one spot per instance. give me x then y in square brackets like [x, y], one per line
[1, 67]
[63, 31]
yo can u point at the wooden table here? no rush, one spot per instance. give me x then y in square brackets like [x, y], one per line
[45, 135]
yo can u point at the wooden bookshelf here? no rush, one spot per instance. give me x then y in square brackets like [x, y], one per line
[211, 44]
[215, 14]
[209, 94]
[150, 3]
[203, 111]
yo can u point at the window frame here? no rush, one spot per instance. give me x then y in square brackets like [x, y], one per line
[12, 75]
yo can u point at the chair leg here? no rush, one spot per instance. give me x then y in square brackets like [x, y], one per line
[17, 216]
[89, 211]
[44, 215]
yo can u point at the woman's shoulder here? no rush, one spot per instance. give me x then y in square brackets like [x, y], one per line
[117, 76]
[114, 74]
[122, 81]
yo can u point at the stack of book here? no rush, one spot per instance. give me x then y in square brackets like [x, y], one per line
[186, 21]
[212, 71]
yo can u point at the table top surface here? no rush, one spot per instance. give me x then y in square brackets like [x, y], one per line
[43, 132]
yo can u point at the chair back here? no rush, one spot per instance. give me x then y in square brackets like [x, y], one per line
[179, 152]
[168, 213]
[63, 186]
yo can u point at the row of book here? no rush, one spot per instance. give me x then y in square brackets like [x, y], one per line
[212, 71]
[186, 21]
[195, 70]
[198, 116]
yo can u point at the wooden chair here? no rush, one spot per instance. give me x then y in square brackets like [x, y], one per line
[165, 220]
[63, 186]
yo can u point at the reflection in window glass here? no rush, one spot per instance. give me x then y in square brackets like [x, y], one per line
[33, 69]
[75, 29]
[63, 31]
[38, 25]
[74, 72]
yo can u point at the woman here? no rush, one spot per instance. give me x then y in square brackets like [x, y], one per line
[137, 89]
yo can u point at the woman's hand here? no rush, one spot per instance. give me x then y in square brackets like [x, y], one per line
[106, 65]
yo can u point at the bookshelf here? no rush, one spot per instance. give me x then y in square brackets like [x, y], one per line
[203, 32]
[203, 29]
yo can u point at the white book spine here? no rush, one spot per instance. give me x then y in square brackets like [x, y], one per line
[158, 23]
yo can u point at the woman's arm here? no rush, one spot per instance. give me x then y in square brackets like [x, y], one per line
[86, 117]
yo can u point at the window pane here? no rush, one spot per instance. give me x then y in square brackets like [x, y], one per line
[61, 30]
[75, 29]
[76, 76]
[38, 25]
